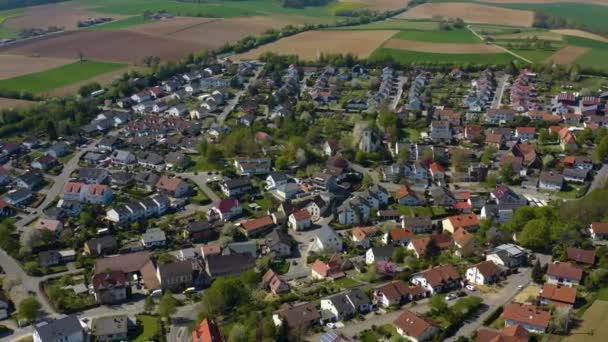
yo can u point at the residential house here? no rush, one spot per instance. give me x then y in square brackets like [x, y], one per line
[124, 158]
[226, 209]
[525, 133]
[484, 273]
[278, 244]
[231, 264]
[575, 175]
[377, 254]
[53, 226]
[110, 287]
[58, 150]
[276, 179]
[300, 220]
[398, 236]
[207, 331]
[19, 197]
[361, 235]
[326, 240]
[415, 327]
[419, 225]
[528, 316]
[246, 247]
[153, 237]
[138, 263]
[558, 295]
[438, 279]
[344, 306]
[508, 255]
[236, 187]
[273, 283]
[199, 231]
[45, 163]
[99, 246]
[440, 131]
[503, 195]
[469, 222]
[258, 226]
[564, 273]
[406, 196]
[396, 293]
[597, 230]
[299, 315]
[251, 167]
[581, 256]
[30, 180]
[173, 186]
[465, 243]
[175, 276]
[354, 210]
[320, 270]
[110, 328]
[67, 329]
[549, 180]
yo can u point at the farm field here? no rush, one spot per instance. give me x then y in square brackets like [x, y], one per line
[169, 26]
[591, 15]
[5, 31]
[594, 321]
[581, 34]
[109, 45]
[471, 13]
[381, 5]
[103, 79]
[409, 57]
[444, 48]
[308, 45]
[594, 59]
[450, 36]
[568, 54]
[136, 20]
[62, 14]
[216, 32]
[15, 65]
[594, 2]
[41, 82]
[14, 104]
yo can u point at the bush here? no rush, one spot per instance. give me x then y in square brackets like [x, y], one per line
[493, 316]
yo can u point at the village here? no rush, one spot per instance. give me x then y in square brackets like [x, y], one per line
[357, 202]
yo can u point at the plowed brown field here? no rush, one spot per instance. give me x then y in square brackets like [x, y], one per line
[14, 65]
[567, 54]
[471, 13]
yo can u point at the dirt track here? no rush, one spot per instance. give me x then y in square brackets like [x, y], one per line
[567, 54]
[309, 45]
[111, 45]
[411, 45]
[471, 13]
[15, 65]
[582, 34]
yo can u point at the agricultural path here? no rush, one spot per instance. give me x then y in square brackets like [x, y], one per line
[500, 47]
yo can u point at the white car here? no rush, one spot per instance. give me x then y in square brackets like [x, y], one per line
[451, 296]
[331, 325]
[470, 287]
[520, 287]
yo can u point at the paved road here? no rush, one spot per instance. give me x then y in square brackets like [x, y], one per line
[495, 300]
[400, 83]
[180, 322]
[235, 100]
[500, 91]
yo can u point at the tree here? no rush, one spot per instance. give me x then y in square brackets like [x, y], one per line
[537, 273]
[29, 309]
[167, 306]
[149, 304]
[51, 130]
[507, 174]
[81, 56]
[238, 333]
[560, 321]
[535, 235]
[398, 255]
[438, 304]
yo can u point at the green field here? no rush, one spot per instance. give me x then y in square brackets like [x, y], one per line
[151, 328]
[119, 24]
[450, 36]
[594, 59]
[346, 6]
[62, 76]
[536, 56]
[593, 16]
[7, 32]
[211, 8]
[395, 25]
[593, 326]
[409, 57]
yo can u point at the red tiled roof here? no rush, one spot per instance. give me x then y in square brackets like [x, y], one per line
[168, 183]
[441, 275]
[465, 221]
[398, 234]
[360, 233]
[254, 225]
[411, 324]
[581, 255]
[527, 314]
[301, 215]
[72, 187]
[557, 293]
[207, 331]
[599, 227]
[565, 270]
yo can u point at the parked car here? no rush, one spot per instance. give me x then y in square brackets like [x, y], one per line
[451, 296]
[470, 287]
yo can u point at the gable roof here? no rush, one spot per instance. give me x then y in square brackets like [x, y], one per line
[558, 293]
[465, 221]
[254, 225]
[462, 237]
[582, 256]
[487, 268]
[399, 234]
[207, 331]
[565, 270]
[513, 333]
[527, 314]
[360, 233]
[58, 329]
[412, 324]
[440, 275]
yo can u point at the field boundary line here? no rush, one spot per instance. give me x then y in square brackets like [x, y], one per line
[498, 46]
[193, 26]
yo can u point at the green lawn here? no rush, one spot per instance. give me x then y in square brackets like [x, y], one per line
[422, 211]
[392, 24]
[593, 326]
[41, 82]
[122, 23]
[536, 56]
[346, 283]
[151, 328]
[584, 42]
[413, 57]
[412, 134]
[450, 36]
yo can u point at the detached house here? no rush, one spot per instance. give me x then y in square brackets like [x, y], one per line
[377, 254]
[174, 187]
[469, 222]
[558, 295]
[236, 187]
[438, 279]
[110, 287]
[250, 167]
[300, 220]
[345, 305]
[564, 273]
[396, 293]
[405, 196]
[326, 240]
[361, 235]
[484, 273]
[415, 327]
[226, 209]
[599, 230]
[529, 317]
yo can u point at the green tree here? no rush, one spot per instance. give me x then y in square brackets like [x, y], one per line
[167, 306]
[438, 304]
[537, 273]
[149, 304]
[51, 130]
[535, 235]
[29, 309]
[507, 174]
